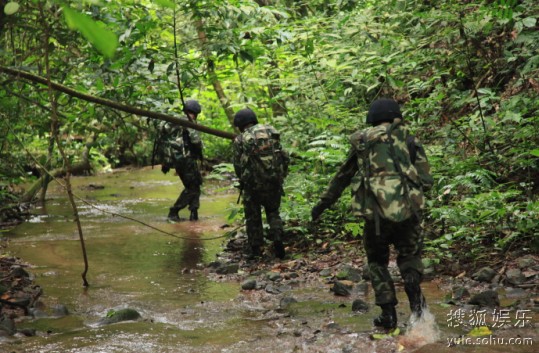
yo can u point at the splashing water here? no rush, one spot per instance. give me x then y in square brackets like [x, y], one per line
[421, 331]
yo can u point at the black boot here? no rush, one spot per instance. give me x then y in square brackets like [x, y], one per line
[194, 215]
[413, 291]
[173, 215]
[278, 247]
[388, 317]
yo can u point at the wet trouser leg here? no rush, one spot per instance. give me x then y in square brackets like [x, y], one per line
[253, 218]
[191, 178]
[408, 243]
[377, 249]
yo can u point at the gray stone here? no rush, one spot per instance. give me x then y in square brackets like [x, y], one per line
[273, 276]
[7, 326]
[342, 288]
[525, 262]
[249, 284]
[227, 269]
[366, 272]
[515, 293]
[487, 298]
[515, 276]
[286, 301]
[59, 310]
[350, 273]
[325, 272]
[359, 305]
[18, 271]
[485, 274]
[459, 293]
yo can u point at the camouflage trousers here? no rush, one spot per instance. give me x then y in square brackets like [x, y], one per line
[407, 239]
[191, 178]
[253, 201]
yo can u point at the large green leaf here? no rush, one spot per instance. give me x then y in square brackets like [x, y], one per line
[102, 39]
[165, 3]
[11, 8]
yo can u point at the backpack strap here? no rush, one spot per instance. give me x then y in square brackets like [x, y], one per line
[367, 170]
[412, 148]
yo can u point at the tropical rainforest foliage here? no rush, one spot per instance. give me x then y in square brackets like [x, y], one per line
[466, 73]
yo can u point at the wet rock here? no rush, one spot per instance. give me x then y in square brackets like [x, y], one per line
[227, 269]
[525, 262]
[18, 271]
[272, 289]
[286, 301]
[349, 273]
[515, 276]
[485, 274]
[59, 310]
[27, 332]
[487, 298]
[342, 288]
[249, 284]
[325, 272]
[273, 276]
[366, 272]
[515, 293]
[460, 293]
[359, 305]
[119, 316]
[291, 275]
[7, 326]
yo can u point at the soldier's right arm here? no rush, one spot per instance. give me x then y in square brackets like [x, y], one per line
[423, 167]
[342, 179]
[238, 151]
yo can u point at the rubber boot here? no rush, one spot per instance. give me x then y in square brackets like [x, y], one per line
[413, 291]
[173, 215]
[194, 215]
[278, 247]
[388, 317]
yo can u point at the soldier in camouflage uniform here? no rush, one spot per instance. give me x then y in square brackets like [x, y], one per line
[261, 166]
[389, 171]
[182, 151]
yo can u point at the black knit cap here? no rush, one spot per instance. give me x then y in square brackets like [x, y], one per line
[244, 117]
[383, 110]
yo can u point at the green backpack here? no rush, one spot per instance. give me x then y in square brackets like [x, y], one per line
[390, 186]
[263, 162]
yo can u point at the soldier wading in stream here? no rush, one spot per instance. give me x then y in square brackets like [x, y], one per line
[389, 171]
[181, 149]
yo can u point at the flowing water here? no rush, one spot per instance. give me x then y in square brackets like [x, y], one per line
[163, 278]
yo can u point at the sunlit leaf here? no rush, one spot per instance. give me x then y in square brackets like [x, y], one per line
[535, 152]
[102, 39]
[11, 8]
[165, 3]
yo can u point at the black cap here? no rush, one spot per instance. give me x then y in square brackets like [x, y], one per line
[383, 110]
[244, 117]
[192, 106]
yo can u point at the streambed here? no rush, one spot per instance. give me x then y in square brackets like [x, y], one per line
[165, 279]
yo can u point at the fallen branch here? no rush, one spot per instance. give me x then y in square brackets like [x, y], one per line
[115, 105]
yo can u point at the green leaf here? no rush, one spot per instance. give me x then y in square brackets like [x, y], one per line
[102, 39]
[528, 22]
[165, 3]
[535, 152]
[11, 8]
[479, 331]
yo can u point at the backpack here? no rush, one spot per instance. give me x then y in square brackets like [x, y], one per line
[263, 161]
[390, 186]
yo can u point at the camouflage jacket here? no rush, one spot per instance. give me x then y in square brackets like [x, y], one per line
[393, 187]
[260, 162]
[178, 143]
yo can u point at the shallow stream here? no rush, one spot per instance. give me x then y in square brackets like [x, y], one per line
[162, 277]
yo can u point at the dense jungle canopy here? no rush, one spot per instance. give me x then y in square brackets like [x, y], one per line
[83, 85]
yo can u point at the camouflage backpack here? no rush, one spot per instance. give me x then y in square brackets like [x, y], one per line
[263, 161]
[390, 185]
